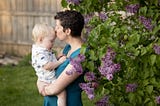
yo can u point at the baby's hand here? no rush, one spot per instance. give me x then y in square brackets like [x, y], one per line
[62, 58]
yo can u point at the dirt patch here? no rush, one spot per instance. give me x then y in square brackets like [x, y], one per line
[6, 59]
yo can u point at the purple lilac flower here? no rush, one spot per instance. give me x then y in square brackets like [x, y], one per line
[88, 17]
[109, 77]
[108, 67]
[146, 22]
[95, 84]
[131, 87]
[89, 90]
[103, 102]
[74, 1]
[90, 76]
[88, 30]
[158, 99]
[110, 54]
[76, 63]
[157, 49]
[69, 72]
[103, 16]
[133, 8]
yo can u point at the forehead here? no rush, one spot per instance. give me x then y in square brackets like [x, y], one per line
[58, 22]
[51, 37]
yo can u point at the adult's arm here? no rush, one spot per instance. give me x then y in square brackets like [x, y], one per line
[61, 82]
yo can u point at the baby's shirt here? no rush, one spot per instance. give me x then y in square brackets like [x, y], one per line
[41, 56]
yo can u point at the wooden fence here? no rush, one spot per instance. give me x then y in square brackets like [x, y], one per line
[17, 18]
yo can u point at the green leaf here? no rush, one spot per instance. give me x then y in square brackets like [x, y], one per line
[145, 82]
[140, 92]
[143, 51]
[150, 104]
[90, 65]
[149, 89]
[158, 60]
[153, 80]
[152, 59]
[131, 97]
[156, 29]
[146, 100]
[83, 48]
[143, 9]
[125, 104]
[64, 3]
[146, 74]
[92, 55]
[133, 40]
[139, 99]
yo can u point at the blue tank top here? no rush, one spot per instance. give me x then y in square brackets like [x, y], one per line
[73, 90]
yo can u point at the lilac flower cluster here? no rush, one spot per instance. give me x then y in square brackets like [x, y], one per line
[131, 87]
[91, 85]
[76, 63]
[158, 99]
[90, 76]
[157, 49]
[103, 16]
[146, 22]
[88, 28]
[88, 88]
[103, 102]
[88, 17]
[108, 67]
[74, 1]
[133, 8]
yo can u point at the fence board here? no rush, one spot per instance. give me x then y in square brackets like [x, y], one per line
[0, 26]
[30, 4]
[31, 20]
[24, 4]
[13, 5]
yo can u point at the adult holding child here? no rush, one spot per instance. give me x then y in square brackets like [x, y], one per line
[69, 26]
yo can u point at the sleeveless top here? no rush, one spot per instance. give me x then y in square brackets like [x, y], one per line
[73, 90]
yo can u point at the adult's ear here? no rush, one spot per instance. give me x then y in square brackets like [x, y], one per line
[68, 31]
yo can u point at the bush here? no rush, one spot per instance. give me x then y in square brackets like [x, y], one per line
[124, 50]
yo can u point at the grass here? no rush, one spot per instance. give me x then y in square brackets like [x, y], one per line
[18, 87]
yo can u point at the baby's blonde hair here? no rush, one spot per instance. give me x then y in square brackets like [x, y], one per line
[41, 30]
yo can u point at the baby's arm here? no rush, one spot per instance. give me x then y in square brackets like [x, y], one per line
[53, 65]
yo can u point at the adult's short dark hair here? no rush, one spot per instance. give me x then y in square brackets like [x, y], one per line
[71, 19]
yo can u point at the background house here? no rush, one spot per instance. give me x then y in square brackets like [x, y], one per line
[17, 18]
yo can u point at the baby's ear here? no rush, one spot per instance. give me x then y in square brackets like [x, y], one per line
[40, 39]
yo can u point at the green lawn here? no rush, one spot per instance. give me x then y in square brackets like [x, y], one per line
[18, 87]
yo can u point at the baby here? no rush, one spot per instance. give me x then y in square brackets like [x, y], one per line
[43, 59]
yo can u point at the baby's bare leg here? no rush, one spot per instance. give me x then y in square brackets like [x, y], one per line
[62, 99]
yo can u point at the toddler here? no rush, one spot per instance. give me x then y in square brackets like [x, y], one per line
[43, 59]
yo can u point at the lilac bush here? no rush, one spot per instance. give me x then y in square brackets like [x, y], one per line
[123, 51]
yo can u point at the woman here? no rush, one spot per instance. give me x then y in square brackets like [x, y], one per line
[69, 25]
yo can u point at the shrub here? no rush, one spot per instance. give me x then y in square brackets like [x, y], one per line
[124, 50]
